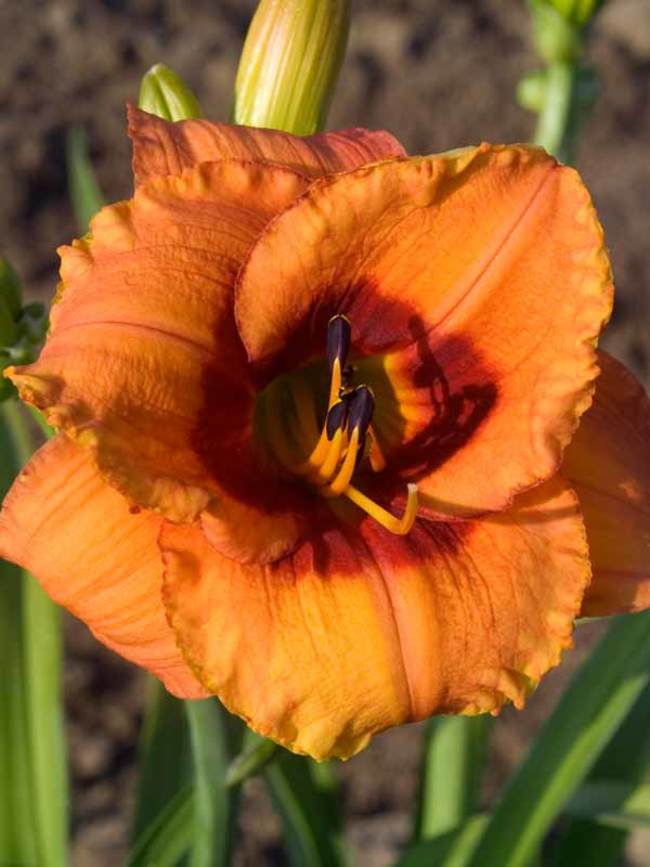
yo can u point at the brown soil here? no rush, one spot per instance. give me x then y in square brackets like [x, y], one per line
[439, 74]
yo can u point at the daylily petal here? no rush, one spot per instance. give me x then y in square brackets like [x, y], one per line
[62, 522]
[252, 535]
[608, 465]
[480, 275]
[143, 355]
[164, 148]
[360, 630]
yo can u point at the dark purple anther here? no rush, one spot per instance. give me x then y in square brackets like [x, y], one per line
[336, 418]
[362, 405]
[338, 340]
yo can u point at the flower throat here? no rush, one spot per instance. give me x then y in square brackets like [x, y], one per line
[346, 439]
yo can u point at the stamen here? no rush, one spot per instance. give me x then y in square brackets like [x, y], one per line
[321, 448]
[341, 445]
[342, 480]
[335, 383]
[338, 340]
[337, 418]
[362, 406]
[399, 526]
[331, 462]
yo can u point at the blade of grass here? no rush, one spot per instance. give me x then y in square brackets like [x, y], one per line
[454, 754]
[85, 195]
[168, 838]
[621, 805]
[614, 804]
[596, 702]
[216, 738]
[164, 756]
[305, 795]
[303, 791]
[33, 819]
[602, 844]
[43, 655]
[256, 754]
[17, 838]
[451, 848]
[625, 760]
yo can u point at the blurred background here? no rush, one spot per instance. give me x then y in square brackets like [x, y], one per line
[438, 74]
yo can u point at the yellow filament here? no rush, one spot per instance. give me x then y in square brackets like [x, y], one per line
[316, 458]
[321, 449]
[399, 526]
[327, 469]
[344, 475]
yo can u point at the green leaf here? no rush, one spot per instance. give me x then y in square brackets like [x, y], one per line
[305, 795]
[621, 805]
[43, 654]
[257, 752]
[594, 705]
[450, 849]
[165, 756]
[33, 816]
[601, 844]
[85, 195]
[216, 738]
[18, 840]
[454, 754]
[625, 760]
[169, 836]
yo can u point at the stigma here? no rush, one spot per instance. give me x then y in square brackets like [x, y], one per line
[347, 438]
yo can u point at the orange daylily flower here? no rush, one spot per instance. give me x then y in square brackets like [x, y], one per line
[320, 448]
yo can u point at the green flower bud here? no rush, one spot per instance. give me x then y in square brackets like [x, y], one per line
[165, 94]
[578, 12]
[557, 40]
[290, 63]
[531, 90]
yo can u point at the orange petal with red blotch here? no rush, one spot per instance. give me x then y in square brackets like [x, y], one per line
[161, 147]
[143, 354]
[479, 282]
[360, 630]
[62, 522]
[248, 534]
[608, 465]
